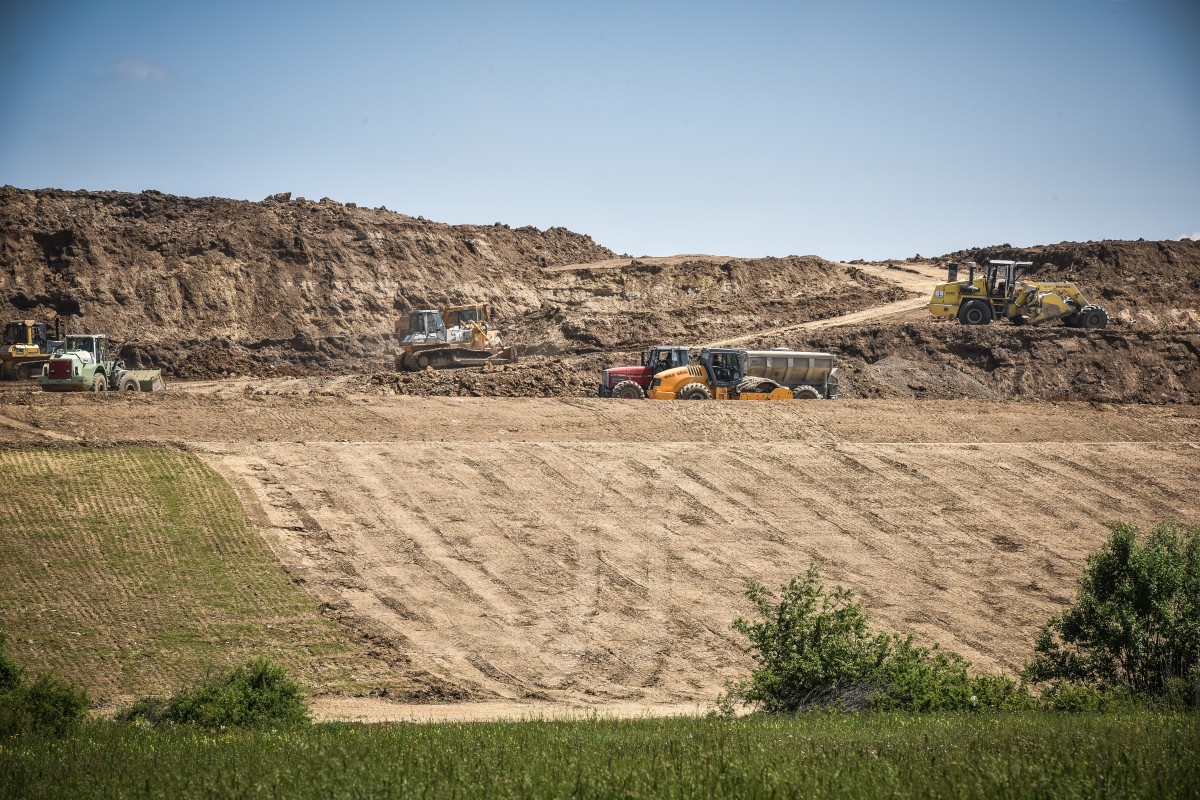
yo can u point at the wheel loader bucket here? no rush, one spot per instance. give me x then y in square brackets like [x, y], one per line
[144, 380]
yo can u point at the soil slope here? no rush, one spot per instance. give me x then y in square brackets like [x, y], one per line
[583, 551]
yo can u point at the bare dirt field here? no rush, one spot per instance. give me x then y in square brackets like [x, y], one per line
[576, 553]
[507, 544]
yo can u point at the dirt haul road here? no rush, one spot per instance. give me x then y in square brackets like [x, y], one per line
[536, 555]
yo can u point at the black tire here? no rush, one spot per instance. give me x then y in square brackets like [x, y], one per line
[422, 362]
[806, 393]
[974, 312]
[694, 391]
[99, 383]
[1092, 318]
[128, 384]
[628, 390]
[20, 372]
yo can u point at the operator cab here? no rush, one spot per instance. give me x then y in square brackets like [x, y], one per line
[661, 359]
[463, 317]
[92, 345]
[26, 333]
[425, 325]
[725, 368]
[1002, 280]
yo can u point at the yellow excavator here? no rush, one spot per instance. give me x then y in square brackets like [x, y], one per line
[460, 336]
[996, 293]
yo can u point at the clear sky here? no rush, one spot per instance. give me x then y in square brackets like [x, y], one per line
[848, 129]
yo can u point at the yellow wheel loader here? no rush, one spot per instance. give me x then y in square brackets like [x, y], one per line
[997, 293]
[719, 374]
[461, 336]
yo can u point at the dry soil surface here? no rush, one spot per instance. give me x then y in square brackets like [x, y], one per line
[546, 556]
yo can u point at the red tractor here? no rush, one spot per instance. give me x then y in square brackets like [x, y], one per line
[630, 383]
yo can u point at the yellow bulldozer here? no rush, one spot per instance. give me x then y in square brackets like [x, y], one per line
[27, 346]
[997, 293]
[460, 336]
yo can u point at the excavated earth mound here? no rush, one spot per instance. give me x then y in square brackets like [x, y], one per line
[205, 287]
[212, 288]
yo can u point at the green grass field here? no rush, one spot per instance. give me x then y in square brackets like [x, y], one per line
[1035, 755]
[133, 571]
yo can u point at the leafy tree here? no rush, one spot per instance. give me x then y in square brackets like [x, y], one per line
[816, 648]
[1135, 624]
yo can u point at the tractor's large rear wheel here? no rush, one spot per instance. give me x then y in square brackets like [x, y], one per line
[695, 391]
[628, 390]
[974, 312]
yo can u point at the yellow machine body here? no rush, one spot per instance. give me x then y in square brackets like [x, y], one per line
[995, 293]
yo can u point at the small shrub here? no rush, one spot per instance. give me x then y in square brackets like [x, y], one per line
[1075, 696]
[1135, 624]
[148, 710]
[256, 694]
[816, 649]
[10, 673]
[48, 705]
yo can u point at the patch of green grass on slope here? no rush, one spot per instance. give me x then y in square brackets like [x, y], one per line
[135, 570]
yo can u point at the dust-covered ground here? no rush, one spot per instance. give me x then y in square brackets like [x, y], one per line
[521, 555]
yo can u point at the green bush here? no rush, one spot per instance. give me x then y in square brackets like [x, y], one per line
[815, 648]
[1135, 624]
[10, 673]
[48, 705]
[255, 694]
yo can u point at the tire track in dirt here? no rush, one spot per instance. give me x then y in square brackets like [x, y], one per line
[579, 572]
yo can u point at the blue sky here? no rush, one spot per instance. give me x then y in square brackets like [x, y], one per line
[853, 129]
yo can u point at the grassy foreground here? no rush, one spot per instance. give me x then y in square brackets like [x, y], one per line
[1130, 754]
[135, 570]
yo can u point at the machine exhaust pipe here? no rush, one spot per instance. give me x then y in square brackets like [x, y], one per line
[952, 272]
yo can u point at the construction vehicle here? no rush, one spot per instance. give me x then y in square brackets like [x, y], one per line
[461, 336]
[27, 346]
[810, 376]
[726, 374]
[997, 293]
[83, 365]
[630, 383]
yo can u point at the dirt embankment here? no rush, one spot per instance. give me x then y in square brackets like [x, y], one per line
[207, 286]
[926, 359]
[195, 282]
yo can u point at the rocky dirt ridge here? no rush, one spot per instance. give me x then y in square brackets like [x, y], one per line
[207, 286]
